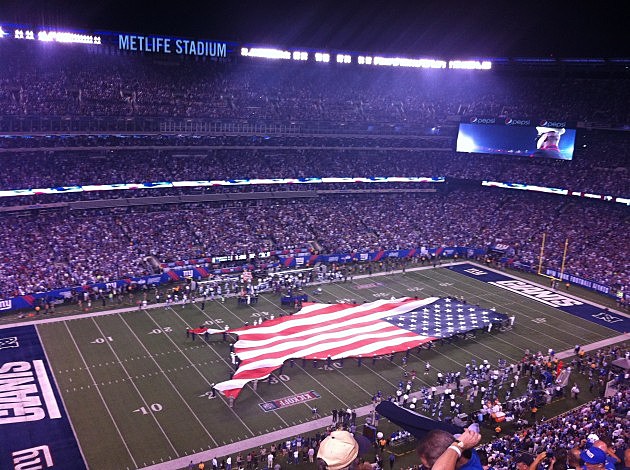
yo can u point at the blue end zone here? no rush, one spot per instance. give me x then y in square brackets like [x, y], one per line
[35, 429]
[549, 297]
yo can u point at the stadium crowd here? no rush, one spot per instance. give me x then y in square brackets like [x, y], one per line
[599, 167]
[69, 248]
[342, 124]
[49, 82]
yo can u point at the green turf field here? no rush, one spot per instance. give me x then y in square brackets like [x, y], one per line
[136, 388]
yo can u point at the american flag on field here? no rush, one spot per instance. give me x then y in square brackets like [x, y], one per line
[318, 331]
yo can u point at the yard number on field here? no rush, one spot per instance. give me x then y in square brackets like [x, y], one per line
[153, 407]
[273, 380]
[102, 340]
[157, 331]
[335, 365]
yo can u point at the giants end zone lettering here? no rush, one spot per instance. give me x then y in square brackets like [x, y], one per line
[20, 397]
[35, 432]
[29, 459]
[537, 293]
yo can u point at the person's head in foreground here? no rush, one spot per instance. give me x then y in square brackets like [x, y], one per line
[441, 450]
[594, 458]
[338, 451]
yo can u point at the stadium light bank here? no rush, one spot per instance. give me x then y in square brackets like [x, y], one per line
[344, 58]
[157, 44]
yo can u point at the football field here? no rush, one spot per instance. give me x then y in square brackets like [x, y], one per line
[136, 388]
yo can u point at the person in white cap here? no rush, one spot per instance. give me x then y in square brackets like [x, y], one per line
[338, 451]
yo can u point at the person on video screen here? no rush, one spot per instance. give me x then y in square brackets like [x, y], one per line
[547, 143]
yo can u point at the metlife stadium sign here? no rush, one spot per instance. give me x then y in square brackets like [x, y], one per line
[122, 41]
[195, 47]
[167, 45]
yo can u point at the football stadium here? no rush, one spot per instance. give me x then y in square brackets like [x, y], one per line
[229, 255]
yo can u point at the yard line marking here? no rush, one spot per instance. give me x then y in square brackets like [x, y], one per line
[226, 362]
[109, 412]
[338, 370]
[198, 371]
[109, 345]
[283, 382]
[74, 432]
[477, 342]
[519, 302]
[434, 350]
[326, 388]
[169, 380]
[397, 281]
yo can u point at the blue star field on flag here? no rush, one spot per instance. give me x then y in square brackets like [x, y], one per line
[445, 318]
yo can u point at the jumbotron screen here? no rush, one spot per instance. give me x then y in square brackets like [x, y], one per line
[523, 137]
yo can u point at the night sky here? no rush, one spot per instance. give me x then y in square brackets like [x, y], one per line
[447, 28]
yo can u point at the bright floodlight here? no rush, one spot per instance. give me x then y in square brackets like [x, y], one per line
[265, 53]
[65, 37]
[322, 57]
[405, 62]
[343, 59]
[470, 64]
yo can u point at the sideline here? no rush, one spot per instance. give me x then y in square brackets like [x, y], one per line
[78, 316]
[114, 311]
